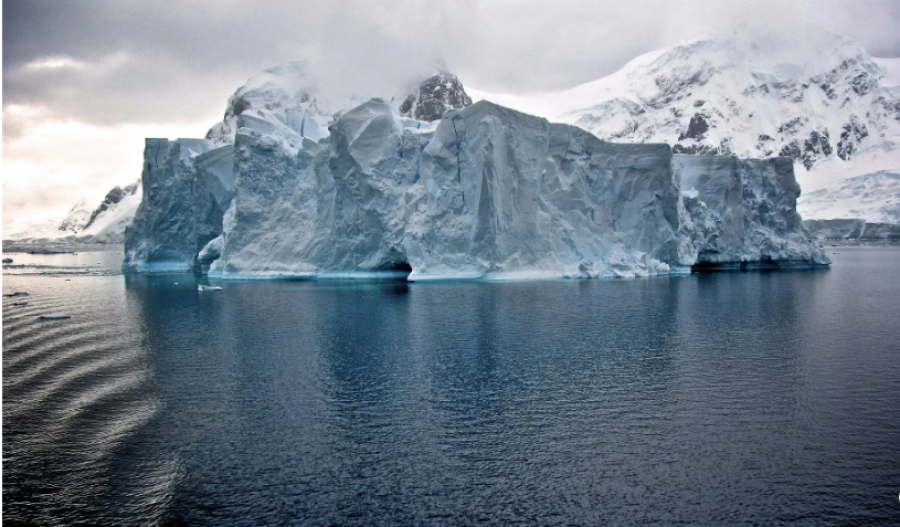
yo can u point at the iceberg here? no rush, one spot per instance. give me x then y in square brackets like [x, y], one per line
[178, 214]
[743, 211]
[484, 192]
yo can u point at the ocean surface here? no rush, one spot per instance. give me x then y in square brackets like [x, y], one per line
[760, 398]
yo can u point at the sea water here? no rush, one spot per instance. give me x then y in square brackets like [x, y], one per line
[719, 399]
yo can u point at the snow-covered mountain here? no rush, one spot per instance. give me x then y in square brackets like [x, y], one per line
[872, 197]
[853, 231]
[826, 103]
[104, 224]
[737, 97]
[108, 221]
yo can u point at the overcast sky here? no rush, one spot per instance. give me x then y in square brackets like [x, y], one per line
[84, 81]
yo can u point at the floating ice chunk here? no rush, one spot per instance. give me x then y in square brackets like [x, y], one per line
[20, 303]
[55, 317]
[201, 287]
[17, 293]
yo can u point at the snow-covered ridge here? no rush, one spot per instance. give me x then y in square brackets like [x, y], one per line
[853, 231]
[827, 100]
[104, 224]
[871, 197]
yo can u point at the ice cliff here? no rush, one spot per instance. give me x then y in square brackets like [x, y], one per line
[429, 186]
[179, 214]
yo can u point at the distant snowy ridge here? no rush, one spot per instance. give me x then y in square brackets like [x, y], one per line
[104, 224]
[732, 97]
[872, 197]
[850, 230]
[828, 105]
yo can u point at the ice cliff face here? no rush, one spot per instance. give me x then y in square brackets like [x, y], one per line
[507, 194]
[179, 214]
[487, 193]
[742, 211]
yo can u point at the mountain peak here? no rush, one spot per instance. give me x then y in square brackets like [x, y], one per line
[434, 96]
[820, 98]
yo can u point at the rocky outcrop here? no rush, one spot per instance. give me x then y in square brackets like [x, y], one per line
[434, 96]
[113, 197]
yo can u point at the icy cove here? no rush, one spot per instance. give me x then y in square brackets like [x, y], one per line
[485, 192]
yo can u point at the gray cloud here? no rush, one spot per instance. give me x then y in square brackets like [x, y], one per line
[180, 59]
[110, 62]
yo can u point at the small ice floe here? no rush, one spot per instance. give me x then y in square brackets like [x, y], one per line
[54, 316]
[20, 303]
[7, 260]
[68, 279]
[201, 287]
[17, 293]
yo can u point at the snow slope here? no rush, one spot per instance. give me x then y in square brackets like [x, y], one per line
[871, 197]
[104, 224]
[825, 103]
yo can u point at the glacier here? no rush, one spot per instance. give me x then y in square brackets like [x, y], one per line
[484, 192]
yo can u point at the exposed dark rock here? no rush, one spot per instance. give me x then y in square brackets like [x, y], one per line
[793, 126]
[829, 90]
[697, 128]
[695, 150]
[791, 149]
[851, 134]
[434, 96]
[815, 146]
[863, 83]
[112, 197]
[676, 86]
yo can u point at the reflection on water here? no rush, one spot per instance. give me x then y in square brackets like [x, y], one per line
[742, 398]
